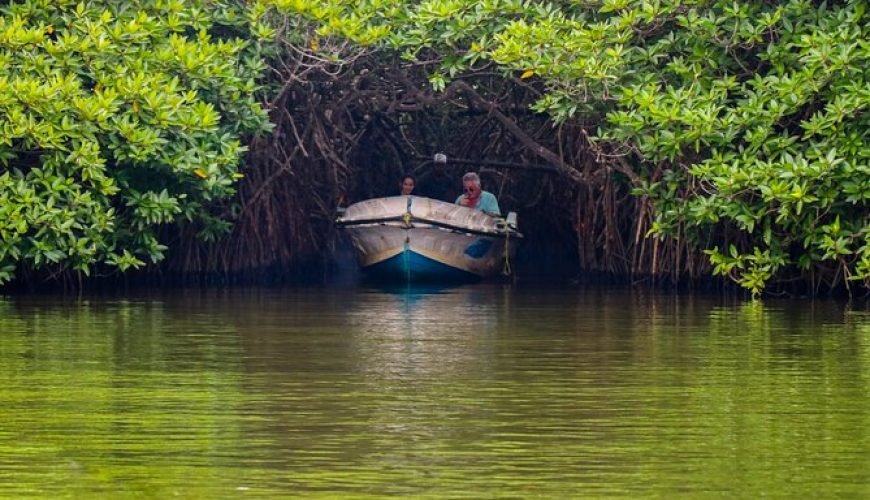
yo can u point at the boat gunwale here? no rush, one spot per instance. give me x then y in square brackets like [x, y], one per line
[407, 223]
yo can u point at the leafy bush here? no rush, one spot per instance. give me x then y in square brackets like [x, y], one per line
[117, 117]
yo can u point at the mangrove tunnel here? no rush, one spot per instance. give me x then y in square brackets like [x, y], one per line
[347, 133]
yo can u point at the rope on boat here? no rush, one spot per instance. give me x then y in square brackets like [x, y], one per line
[406, 254]
[506, 270]
[407, 217]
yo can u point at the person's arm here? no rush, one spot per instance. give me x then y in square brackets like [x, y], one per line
[490, 205]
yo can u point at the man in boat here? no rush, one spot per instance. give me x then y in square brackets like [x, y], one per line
[475, 197]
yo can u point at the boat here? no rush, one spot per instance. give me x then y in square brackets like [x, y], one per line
[419, 239]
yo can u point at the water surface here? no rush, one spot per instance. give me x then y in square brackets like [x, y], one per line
[481, 391]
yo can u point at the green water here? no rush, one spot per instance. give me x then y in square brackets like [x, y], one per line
[470, 392]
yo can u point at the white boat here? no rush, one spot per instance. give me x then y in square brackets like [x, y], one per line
[413, 238]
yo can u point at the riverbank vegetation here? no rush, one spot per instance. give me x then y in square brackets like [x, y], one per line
[658, 140]
[118, 119]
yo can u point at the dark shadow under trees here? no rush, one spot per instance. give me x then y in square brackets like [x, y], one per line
[346, 132]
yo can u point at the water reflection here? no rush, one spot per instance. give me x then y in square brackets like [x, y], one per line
[99, 396]
[456, 392]
[420, 334]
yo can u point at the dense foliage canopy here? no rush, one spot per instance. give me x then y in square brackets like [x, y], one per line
[746, 122]
[740, 127]
[117, 117]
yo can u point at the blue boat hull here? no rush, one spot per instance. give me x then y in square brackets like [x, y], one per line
[410, 266]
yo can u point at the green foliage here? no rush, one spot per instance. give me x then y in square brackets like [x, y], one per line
[756, 112]
[765, 109]
[115, 118]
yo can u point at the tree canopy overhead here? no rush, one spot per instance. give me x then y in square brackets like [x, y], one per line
[739, 127]
[745, 123]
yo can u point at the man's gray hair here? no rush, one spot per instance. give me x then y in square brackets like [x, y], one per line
[471, 176]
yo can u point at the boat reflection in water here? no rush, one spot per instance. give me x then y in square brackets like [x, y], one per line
[417, 239]
[425, 335]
